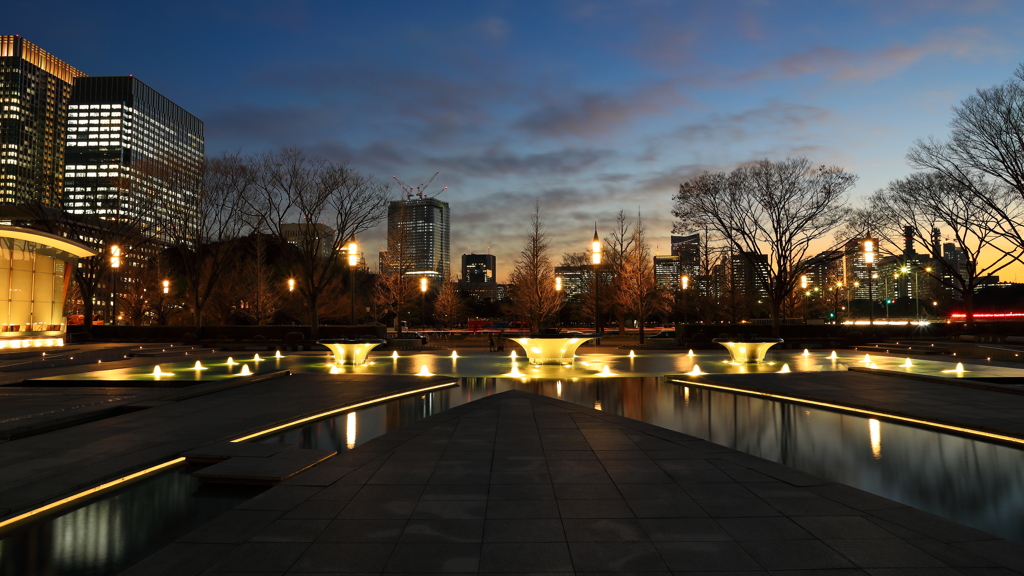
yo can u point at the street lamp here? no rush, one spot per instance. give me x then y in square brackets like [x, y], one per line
[291, 284]
[167, 286]
[423, 301]
[684, 285]
[115, 263]
[353, 260]
[869, 259]
[595, 257]
[558, 288]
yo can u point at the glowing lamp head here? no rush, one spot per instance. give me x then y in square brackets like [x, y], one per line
[423, 284]
[595, 248]
[685, 282]
[115, 256]
[869, 251]
[803, 281]
[167, 286]
[291, 284]
[353, 252]
[558, 283]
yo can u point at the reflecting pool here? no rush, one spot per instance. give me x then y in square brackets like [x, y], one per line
[107, 535]
[589, 364]
[972, 482]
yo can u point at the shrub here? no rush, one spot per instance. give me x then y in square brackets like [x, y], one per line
[188, 338]
[294, 337]
[259, 337]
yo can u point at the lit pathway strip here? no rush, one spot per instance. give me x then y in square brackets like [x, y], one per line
[90, 491]
[994, 436]
[295, 423]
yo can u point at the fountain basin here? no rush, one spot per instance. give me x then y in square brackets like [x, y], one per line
[747, 350]
[351, 351]
[553, 348]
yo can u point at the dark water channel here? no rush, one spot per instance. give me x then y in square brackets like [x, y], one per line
[972, 482]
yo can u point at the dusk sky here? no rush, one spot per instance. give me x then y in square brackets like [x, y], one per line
[591, 107]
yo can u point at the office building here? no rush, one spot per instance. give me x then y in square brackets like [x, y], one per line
[35, 88]
[479, 268]
[132, 154]
[750, 274]
[667, 272]
[687, 249]
[424, 224]
[319, 237]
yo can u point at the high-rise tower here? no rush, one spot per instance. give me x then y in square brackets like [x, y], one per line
[35, 87]
[131, 153]
[425, 223]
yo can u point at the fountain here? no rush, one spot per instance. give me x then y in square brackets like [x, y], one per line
[907, 364]
[335, 369]
[395, 354]
[278, 355]
[867, 359]
[157, 373]
[690, 353]
[747, 350]
[552, 348]
[198, 366]
[515, 373]
[256, 358]
[833, 356]
[245, 371]
[455, 355]
[352, 351]
[785, 369]
[231, 361]
[959, 370]
[632, 354]
[424, 371]
[605, 372]
[696, 371]
[806, 352]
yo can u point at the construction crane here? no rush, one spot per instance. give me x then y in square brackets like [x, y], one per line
[420, 190]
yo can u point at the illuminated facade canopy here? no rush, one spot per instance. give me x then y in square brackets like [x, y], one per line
[35, 269]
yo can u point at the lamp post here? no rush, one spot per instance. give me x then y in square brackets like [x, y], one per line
[115, 263]
[869, 259]
[291, 284]
[558, 288]
[353, 260]
[684, 285]
[803, 286]
[423, 301]
[595, 255]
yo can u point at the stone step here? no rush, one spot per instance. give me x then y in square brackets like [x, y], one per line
[265, 471]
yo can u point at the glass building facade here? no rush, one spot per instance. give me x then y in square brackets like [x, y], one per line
[132, 154]
[426, 223]
[35, 88]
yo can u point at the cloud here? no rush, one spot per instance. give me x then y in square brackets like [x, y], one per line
[499, 161]
[493, 29]
[846, 65]
[590, 114]
[771, 118]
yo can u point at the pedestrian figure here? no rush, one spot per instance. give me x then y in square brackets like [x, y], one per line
[490, 342]
[501, 341]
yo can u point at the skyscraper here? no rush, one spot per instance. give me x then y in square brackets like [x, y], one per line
[131, 152]
[479, 268]
[425, 224]
[35, 87]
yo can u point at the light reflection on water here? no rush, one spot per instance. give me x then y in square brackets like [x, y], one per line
[972, 482]
[108, 535]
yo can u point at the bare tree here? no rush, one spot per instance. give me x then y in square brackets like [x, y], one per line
[395, 288]
[260, 293]
[637, 291]
[772, 208]
[203, 234]
[449, 307]
[532, 282]
[619, 243]
[985, 151]
[931, 201]
[330, 202]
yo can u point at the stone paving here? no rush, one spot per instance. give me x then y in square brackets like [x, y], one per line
[519, 483]
[44, 468]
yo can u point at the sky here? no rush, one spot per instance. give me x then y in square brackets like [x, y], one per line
[588, 107]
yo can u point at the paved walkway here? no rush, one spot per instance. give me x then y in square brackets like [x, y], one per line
[44, 468]
[982, 409]
[519, 483]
